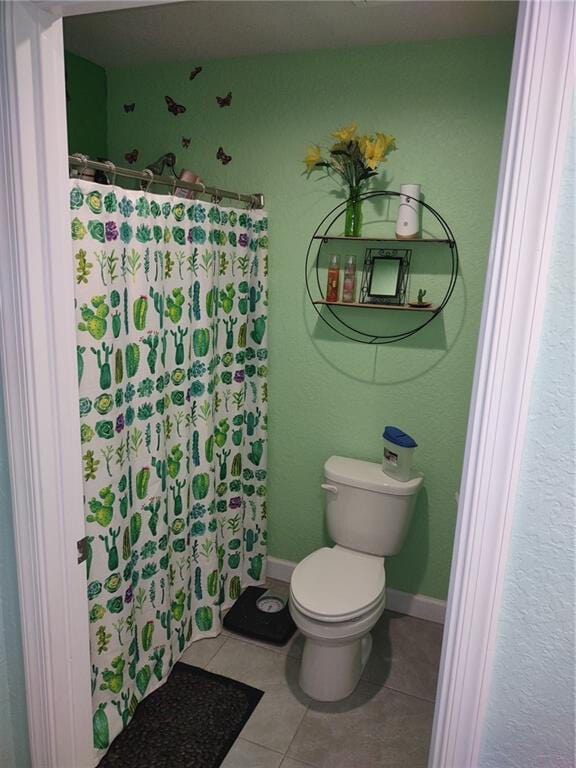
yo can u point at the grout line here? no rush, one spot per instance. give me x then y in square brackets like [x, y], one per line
[295, 733]
[257, 744]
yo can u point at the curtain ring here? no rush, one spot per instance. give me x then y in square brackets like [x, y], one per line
[253, 202]
[216, 198]
[109, 164]
[150, 176]
[201, 184]
[84, 160]
[173, 187]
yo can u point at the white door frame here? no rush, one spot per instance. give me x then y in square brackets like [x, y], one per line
[37, 348]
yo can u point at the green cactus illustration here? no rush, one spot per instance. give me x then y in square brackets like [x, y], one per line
[94, 320]
[255, 568]
[227, 298]
[152, 341]
[174, 305]
[173, 461]
[255, 295]
[229, 324]
[80, 362]
[252, 420]
[258, 329]
[178, 336]
[195, 308]
[111, 548]
[114, 678]
[101, 511]
[158, 301]
[139, 310]
[103, 364]
[251, 536]
[256, 452]
[223, 463]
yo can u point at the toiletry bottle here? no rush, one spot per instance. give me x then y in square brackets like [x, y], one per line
[333, 279]
[349, 284]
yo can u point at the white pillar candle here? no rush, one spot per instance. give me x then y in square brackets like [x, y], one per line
[408, 220]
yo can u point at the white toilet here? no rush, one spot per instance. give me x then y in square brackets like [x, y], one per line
[337, 593]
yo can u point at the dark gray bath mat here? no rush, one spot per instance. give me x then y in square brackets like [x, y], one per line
[190, 722]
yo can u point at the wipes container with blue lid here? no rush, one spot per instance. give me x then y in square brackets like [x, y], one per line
[398, 453]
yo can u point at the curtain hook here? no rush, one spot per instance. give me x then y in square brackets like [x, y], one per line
[216, 198]
[173, 187]
[201, 183]
[147, 172]
[109, 164]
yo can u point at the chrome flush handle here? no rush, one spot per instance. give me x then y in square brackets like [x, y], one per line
[329, 488]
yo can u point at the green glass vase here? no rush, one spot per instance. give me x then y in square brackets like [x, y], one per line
[353, 222]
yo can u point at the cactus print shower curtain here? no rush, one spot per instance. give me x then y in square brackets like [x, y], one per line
[171, 302]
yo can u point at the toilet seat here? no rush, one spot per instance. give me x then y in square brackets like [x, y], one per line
[335, 584]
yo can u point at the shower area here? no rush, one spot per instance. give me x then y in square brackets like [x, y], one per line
[171, 320]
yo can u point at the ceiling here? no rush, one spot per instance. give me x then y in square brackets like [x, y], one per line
[196, 31]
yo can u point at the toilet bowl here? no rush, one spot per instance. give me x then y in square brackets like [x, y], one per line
[336, 597]
[337, 594]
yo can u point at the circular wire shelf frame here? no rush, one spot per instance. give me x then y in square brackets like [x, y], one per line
[322, 235]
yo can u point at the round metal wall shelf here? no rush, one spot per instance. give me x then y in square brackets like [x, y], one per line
[328, 312]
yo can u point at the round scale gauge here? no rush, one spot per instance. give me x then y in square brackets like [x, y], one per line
[270, 603]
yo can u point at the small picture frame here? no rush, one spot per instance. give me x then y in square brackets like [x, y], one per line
[385, 276]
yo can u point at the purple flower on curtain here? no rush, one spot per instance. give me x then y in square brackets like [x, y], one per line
[239, 377]
[120, 423]
[235, 502]
[111, 230]
[243, 240]
[128, 595]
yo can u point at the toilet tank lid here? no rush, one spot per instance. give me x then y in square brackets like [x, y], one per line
[368, 475]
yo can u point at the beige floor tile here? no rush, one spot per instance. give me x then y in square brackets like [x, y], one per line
[405, 655]
[289, 762]
[281, 709]
[201, 652]
[372, 728]
[245, 754]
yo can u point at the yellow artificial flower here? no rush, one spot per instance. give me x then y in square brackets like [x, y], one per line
[388, 143]
[346, 134]
[313, 157]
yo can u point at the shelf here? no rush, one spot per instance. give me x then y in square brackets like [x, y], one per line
[396, 240]
[358, 305]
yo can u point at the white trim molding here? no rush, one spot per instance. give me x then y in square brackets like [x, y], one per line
[38, 360]
[536, 127]
[419, 606]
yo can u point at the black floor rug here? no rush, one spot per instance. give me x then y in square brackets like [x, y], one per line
[190, 722]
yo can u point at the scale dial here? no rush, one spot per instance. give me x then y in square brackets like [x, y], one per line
[270, 603]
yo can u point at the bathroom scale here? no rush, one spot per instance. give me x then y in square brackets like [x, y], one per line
[263, 614]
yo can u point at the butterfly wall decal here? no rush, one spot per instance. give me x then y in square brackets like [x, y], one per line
[223, 157]
[185, 142]
[131, 157]
[224, 101]
[173, 107]
[129, 107]
[196, 71]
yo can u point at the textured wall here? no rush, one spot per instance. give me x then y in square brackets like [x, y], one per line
[86, 106]
[531, 710]
[13, 729]
[445, 102]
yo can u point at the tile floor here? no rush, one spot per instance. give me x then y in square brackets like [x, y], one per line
[386, 722]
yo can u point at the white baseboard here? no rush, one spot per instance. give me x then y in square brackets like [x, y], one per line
[419, 606]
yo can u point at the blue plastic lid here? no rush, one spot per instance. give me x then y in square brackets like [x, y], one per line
[396, 436]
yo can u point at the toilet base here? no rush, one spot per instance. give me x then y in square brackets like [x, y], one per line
[330, 672]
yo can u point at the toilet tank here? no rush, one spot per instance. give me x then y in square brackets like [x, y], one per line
[366, 510]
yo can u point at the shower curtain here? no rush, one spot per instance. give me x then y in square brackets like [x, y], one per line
[171, 302]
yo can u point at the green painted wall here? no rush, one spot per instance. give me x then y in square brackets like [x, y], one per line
[86, 106]
[445, 102]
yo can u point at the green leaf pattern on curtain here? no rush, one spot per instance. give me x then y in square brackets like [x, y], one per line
[171, 302]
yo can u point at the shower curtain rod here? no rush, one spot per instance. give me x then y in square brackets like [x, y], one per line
[83, 162]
